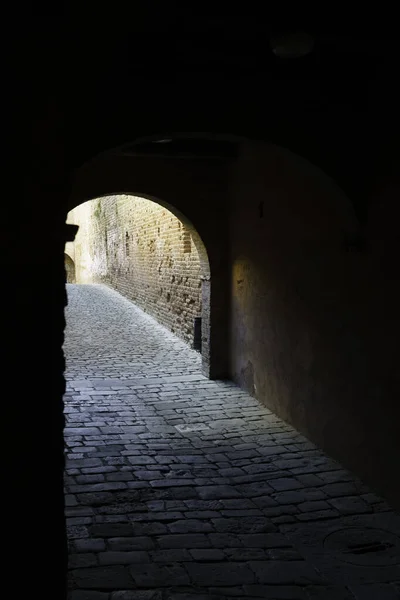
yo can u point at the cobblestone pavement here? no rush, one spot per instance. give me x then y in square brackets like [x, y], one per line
[181, 488]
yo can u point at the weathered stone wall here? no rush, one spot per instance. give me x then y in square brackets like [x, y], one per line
[314, 322]
[144, 252]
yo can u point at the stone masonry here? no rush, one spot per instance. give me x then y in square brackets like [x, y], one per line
[182, 488]
[144, 252]
[69, 269]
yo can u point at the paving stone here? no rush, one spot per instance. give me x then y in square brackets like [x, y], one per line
[240, 454]
[77, 561]
[88, 595]
[207, 554]
[190, 526]
[123, 558]
[194, 596]
[339, 489]
[231, 472]
[156, 516]
[336, 475]
[137, 595]
[313, 505]
[70, 500]
[310, 480]
[214, 573]
[264, 540]
[299, 496]
[80, 431]
[95, 499]
[285, 572]
[79, 520]
[147, 529]
[77, 532]
[337, 592]
[89, 545]
[206, 504]
[186, 474]
[82, 479]
[317, 515]
[105, 578]
[236, 504]
[202, 514]
[243, 525]
[245, 554]
[190, 540]
[152, 575]
[120, 507]
[272, 450]
[98, 487]
[379, 591]
[177, 493]
[125, 544]
[264, 502]
[350, 505]
[193, 458]
[254, 512]
[371, 498]
[285, 483]
[119, 476]
[101, 469]
[283, 554]
[111, 530]
[381, 507]
[275, 592]
[136, 485]
[217, 492]
[170, 482]
[252, 490]
[171, 555]
[283, 519]
[396, 586]
[141, 460]
[225, 540]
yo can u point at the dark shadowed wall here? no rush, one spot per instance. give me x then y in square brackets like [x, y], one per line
[314, 316]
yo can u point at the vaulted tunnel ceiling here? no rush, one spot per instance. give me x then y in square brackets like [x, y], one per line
[183, 147]
[219, 74]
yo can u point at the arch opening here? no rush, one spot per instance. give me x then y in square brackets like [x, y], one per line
[69, 265]
[151, 254]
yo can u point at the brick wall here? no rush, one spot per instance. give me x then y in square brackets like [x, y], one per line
[144, 252]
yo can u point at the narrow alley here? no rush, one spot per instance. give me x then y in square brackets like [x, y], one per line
[183, 488]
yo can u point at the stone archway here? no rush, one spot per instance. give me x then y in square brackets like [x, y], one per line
[153, 255]
[196, 192]
[69, 269]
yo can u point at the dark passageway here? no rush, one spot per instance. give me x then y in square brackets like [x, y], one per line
[177, 485]
[277, 143]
